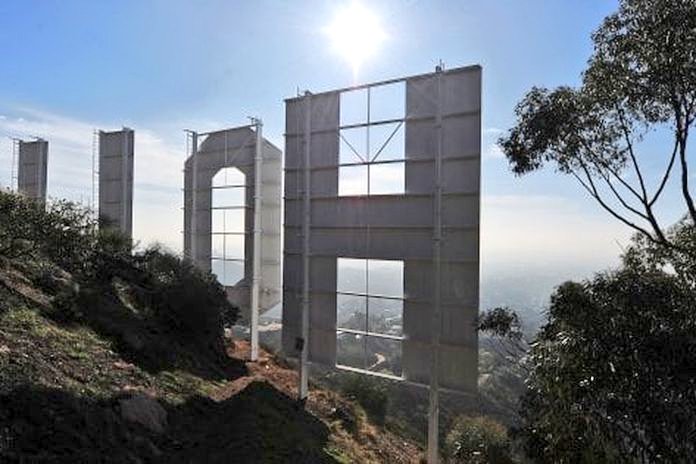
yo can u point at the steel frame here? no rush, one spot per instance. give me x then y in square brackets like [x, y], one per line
[316, 244]
[230, 149]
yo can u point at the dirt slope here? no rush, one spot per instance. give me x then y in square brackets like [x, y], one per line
[64, 390]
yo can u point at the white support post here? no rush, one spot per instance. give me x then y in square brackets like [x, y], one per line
[95, 145]
[434, 400]
[194, 194]
[256, 271]
[124, 179]
[14, 173]
[43, 160]
[304, 355]
[38, 169]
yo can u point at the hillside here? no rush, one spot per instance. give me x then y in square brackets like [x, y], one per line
[63, 389]
[112, 356]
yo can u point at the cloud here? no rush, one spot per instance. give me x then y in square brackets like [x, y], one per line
[493, 131]
[158, 164]
[527, 202]
[522, 230]
[70, 149]
[493, 151]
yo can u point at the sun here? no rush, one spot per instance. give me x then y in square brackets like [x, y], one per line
[356, 34]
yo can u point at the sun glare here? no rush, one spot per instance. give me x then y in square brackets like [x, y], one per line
[356, 34]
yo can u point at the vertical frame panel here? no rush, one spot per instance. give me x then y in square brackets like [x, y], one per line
[235, 148]
[116, 164]
[393, 226]
[32, 169]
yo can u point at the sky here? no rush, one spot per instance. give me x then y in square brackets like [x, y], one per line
[70, 67]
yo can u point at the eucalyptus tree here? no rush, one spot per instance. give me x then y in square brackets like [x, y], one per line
[640, 77]
[611, 374]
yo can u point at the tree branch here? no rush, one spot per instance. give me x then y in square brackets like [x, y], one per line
[690, 111]
[682, 137]
[592, 190]
[629, 145]
[650, 216]
[621, 200]
[597, 160]
[667, 173]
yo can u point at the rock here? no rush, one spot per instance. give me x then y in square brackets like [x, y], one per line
[154, 450]
[56, 280]
[123, 365]
[346, 417]
[144, 410]
[146, 447]
[21, 246]
[133, 459]
[133, 341]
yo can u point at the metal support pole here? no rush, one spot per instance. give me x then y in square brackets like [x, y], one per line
[194, 194]
[42, 166]
[434, 400]
[14, 171]
[124, 180]
[95, 146]
[39, 177]
[304, 355]
[256, 271]
[366, 362]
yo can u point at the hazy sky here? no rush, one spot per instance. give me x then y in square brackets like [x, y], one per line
[161, 66]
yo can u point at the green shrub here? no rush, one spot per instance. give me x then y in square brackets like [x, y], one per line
[66, 305]
[626, 390]
[17, 218]
[112, 257]
[82, 266]
[62, 231]
[184, 298]
[368, 393]
[478, 440]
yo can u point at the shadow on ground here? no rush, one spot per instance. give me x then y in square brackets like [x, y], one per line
[258, 425]
[144, 341]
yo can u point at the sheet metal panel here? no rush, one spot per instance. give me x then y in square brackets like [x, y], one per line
[236, 148]
[116, 173]
[393, 226]
[387, 211]
[32, 173]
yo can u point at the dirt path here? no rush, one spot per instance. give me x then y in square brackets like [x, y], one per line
[370, 444]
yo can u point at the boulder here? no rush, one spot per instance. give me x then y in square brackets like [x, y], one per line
[144, 410]
[133, 341]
